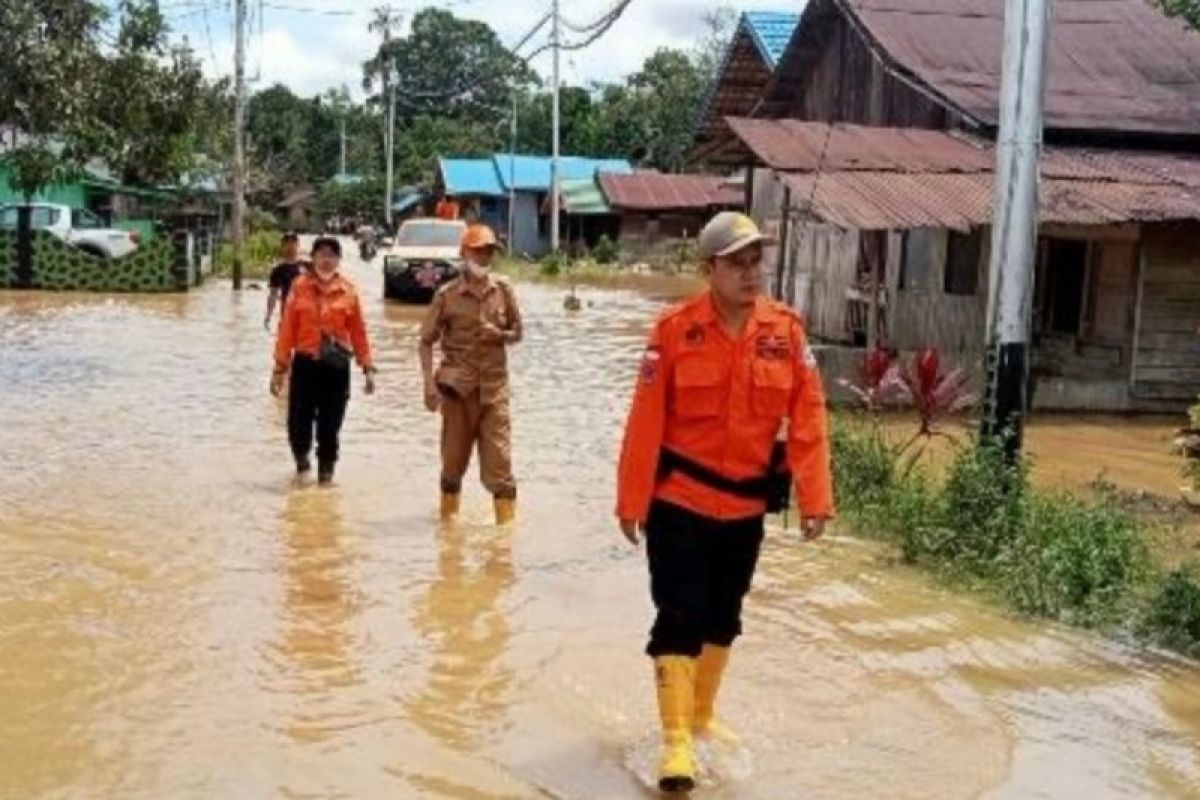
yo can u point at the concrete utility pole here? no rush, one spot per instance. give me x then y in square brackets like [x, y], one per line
[512, 176]
[384, 18]
[239, 142]
[556, 44]
[1014, 231]
[342, 170]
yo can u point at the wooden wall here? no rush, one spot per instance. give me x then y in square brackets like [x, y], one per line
[1167, 361]
[925, 315]
[832, 74]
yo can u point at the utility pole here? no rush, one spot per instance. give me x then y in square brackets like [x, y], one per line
[1014, 231]
[384, 17]
[512, 176]
[342, 170]
[239, 142]
[556, 44]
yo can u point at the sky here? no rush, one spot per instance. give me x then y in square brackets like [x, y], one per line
[313, 45]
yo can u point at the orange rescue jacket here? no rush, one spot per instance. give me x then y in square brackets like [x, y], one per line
[315, 307]
[721, 403]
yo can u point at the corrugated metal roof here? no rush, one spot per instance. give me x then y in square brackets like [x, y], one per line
[582, 197]
[794, 145]
[892, 201]
[887, 178]
[771, 32]
[653, 191]
[532, 173]
[464, 177]
[1114, 65]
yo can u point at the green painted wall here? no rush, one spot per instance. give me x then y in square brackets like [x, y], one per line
[68, 194]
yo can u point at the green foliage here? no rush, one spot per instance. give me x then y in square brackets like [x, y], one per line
[1046, 555]
[1072, 560]
[449, 67]
[422, 140]
[1172, 616]
[261, 254]
[362, 199]
[553, 264]
[1188, 10]
[605, 251]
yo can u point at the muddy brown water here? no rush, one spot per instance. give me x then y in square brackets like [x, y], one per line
[178, 620]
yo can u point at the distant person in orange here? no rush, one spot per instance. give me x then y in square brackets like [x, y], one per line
[447, 209]
[322, 331]
[701, 466]
[476, 319]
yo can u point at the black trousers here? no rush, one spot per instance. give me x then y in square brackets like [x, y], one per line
[700, 570]
[317, 399]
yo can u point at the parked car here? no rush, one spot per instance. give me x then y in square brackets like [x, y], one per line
[76, 226]
[427, 255]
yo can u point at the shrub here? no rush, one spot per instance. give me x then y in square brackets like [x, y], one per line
[1073, 560]
[553, 264]
[1172, 616]
[605, 251]
[982, 501]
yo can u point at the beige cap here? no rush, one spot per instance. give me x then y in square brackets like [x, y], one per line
[729, 232]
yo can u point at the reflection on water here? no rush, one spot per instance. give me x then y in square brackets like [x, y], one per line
[463, 623]
[178, 619]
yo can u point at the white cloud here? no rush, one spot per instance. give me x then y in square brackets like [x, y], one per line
[312, 53]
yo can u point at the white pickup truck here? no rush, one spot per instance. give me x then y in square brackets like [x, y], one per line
[79, 227]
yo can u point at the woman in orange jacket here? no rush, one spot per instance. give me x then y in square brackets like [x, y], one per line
[321, 331]
[720, 378]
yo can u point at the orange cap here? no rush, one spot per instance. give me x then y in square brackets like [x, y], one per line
[478, 237]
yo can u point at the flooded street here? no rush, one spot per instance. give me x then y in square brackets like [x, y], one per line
[178, 620]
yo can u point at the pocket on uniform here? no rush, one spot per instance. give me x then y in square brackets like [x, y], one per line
[698, 388]
[773, 382]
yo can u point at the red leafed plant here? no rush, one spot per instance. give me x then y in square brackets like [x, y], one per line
[879, 380]
[935, 394]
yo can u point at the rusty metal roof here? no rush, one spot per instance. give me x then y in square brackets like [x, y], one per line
[790, 144]
[655, 191]
[1114, 65]
[890, 178]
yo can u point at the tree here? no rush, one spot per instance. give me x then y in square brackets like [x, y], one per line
[49, 50]
[719, 26]
[669, 89]
[151, 134]
[1189, 10]
[451, 68]
[424, 139]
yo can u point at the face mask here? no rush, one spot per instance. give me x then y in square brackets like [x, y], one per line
[477, 270]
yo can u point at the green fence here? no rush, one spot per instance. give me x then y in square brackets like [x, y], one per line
[156, 266]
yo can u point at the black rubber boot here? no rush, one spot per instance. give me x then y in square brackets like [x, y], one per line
[303, 465]
[325, 474]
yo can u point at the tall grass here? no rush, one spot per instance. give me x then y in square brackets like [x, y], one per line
[1047, 555]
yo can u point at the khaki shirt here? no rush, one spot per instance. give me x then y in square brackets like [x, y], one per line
[456, 319]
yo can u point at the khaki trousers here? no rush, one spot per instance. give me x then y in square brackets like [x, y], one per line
[468, 422]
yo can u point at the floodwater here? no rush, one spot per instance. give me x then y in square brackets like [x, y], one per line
[179, 620]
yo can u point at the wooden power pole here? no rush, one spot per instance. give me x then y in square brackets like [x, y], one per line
[239, 143]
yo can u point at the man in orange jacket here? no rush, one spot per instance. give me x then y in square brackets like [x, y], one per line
[720, 376]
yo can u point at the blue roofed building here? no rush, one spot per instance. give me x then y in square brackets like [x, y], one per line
[484, 187]
[750, 62]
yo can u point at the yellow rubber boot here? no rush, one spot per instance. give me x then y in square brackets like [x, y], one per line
[710, 667]
[676, 679]
[450, 505]
[506, 510]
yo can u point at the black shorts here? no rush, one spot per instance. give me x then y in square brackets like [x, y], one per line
[700, 569]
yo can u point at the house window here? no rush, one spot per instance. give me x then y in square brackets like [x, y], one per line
[963, 254]
[916, 266]
[1065, 273]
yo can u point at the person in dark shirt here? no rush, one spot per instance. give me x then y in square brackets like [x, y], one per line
[283, 275]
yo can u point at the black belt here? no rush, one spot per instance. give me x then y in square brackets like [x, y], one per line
[774, 487]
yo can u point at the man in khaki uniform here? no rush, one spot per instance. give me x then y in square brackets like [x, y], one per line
[476, 318]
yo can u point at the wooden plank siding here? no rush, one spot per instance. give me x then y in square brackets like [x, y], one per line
[1168, 350]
